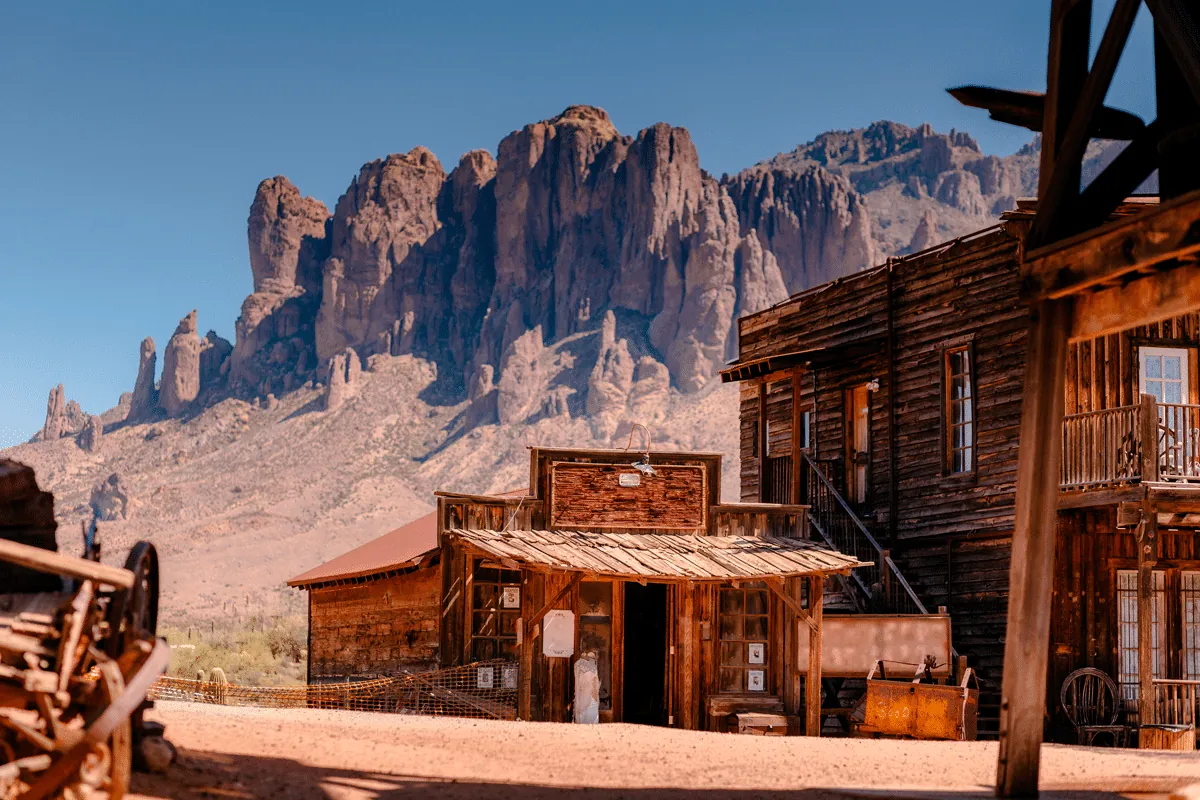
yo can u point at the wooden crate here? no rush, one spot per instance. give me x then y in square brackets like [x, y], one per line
[760, 724]
[1167, 737]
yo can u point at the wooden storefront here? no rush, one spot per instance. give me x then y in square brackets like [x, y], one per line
[689, 608]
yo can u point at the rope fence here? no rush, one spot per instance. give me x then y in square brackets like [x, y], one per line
[483, 690]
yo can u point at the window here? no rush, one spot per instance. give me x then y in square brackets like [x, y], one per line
[495, 607]
[743, 622]
[1164, 373]
[1190, 583]
[1127, 630]
[960, 411]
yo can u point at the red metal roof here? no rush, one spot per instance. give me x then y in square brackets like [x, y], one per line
[402, 547]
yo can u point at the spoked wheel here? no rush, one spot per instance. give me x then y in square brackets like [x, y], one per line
[134, 614]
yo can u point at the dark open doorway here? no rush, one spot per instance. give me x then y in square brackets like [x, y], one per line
[644, 684]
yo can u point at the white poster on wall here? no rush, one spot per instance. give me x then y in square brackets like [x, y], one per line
[510, 597]
[558, 634]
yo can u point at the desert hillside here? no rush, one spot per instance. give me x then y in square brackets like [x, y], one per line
[555, 290]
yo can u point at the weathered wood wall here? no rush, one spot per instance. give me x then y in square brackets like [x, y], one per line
[1103, 372]
[378, 627]
[591, 496]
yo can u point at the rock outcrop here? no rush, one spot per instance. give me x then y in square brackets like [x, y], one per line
[92, 435]
[214, 352]
[926, 234]
[275, 333]
[110, 499]
[813, 222]
[344, 370]
[181, 368]
[521, 389]
[56, 415]
[145, 396]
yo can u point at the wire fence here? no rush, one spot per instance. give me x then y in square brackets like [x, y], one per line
[483, 690]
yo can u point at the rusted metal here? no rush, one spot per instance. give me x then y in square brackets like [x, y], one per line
[921, 710]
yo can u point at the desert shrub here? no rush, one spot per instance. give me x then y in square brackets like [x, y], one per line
[252, 652]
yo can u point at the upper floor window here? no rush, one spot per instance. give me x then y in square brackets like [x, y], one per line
[1164, 373]
[960, 410]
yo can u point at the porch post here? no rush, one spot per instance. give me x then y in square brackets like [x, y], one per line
[1147, 556]
[812, 686]
[1031, 573]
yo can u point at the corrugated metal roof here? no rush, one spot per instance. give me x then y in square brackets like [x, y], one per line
[402, 547]
[645, 555]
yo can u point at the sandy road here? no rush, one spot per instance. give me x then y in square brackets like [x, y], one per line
[260, 753]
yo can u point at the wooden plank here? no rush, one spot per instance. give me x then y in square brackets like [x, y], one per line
[1031, 576]
[57, 564]
[1158, 296]
[1147, 556]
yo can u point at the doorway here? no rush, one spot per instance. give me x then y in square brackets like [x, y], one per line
[858, 444]
[645, 675]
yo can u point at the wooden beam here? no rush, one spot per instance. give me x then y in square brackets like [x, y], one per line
[54, 563]
[1158, 296]
[1031, 573]
[1147, 556]
[793, 605]
[1066, 70]
[1148, 436]
[1178, 27]
[812, 681]
[1057, 196]
[1136, 243]
[762, 439]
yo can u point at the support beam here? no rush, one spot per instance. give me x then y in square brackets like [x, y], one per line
[812, 682]
[1057, 196]
[1147, 556]
[1178, 26]
[1031, 575]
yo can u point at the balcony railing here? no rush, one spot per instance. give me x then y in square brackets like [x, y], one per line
[1175, 701]
[1149, 441]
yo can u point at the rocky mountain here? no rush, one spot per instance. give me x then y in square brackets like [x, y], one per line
[420, 334]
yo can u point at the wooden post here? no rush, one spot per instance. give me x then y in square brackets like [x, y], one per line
[812, 688]
[685, 636]
[1148, 435]
[1031, 574]
[1147, 556]
[762, 440]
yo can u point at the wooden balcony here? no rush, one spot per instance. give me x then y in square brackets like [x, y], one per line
[1121, 448]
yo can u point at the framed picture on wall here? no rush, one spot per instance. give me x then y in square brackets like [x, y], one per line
[510, 597]
[756, 680]
[756, 653]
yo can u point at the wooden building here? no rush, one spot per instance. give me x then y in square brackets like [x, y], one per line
[890, 401]
[373, 611]
[689, 609]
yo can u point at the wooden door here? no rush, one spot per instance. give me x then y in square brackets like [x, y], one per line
[858, 444]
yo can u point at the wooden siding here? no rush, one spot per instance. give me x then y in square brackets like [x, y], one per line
[377, 627]
[591, 495]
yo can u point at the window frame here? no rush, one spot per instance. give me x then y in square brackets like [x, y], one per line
[1184, 354]
[744, 667]
[497, 638]
[948, 449]
[1126, 630]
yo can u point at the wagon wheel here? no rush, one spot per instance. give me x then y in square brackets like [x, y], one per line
[134, 613]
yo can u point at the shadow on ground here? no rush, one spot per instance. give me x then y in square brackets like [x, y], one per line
[236, 777]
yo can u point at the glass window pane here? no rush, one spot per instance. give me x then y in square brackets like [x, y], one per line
[968, 459]
[756, 601]
[1171, 393]
[731, 626]
[484, 623]
[731, 654]
[1155, 388]
[1153, 366]
[730, 680]
[485, 595]
[731, 601]
[756, 629]
[1171, 367]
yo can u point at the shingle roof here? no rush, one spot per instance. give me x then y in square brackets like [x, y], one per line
[663, 556]
[402, 547]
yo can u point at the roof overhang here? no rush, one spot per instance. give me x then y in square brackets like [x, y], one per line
[813, 357]
[663, 557]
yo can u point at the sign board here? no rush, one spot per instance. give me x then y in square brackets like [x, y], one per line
[850, 645]
[628, 479]
[590, 496]
[558, 634]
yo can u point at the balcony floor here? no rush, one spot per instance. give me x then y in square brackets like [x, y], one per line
[1178, 502]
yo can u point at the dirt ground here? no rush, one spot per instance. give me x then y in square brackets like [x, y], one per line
[243, 753]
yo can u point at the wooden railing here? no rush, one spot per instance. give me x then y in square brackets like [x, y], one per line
[1150, 441]
[1175, 701]
[879, 587]
[761, 519]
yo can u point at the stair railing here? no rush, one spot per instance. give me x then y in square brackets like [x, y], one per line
[879, 587]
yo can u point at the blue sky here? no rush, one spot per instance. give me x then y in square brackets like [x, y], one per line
[133, 134]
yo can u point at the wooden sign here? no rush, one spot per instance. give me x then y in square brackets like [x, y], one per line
[583, 496]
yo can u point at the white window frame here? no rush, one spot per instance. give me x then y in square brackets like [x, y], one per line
[1189, 582]
[1147, 356]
